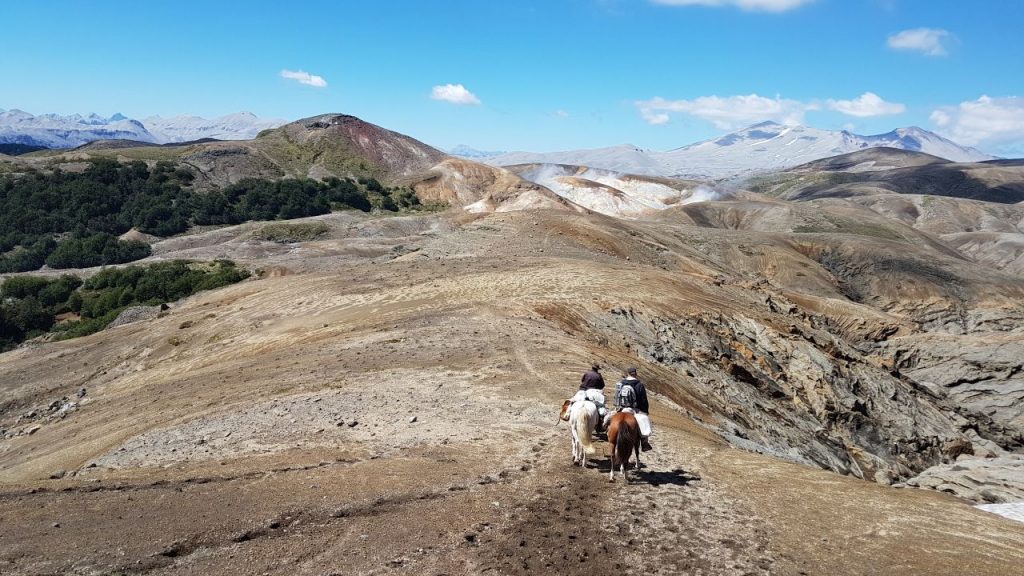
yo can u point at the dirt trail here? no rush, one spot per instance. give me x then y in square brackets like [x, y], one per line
[513, 507]
[396, 417]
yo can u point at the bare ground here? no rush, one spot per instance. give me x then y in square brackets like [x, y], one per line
[267, 428]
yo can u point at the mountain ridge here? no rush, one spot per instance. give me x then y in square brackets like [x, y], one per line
[761, 147]
[73, 130]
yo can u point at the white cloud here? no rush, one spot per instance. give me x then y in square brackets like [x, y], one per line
[867, 105]
[941, 118]
[454, 93]
[304, 78]
[728, 113]
[751, 5]
[928, 41]
[991, 122]
[651, 117]
[561, 114]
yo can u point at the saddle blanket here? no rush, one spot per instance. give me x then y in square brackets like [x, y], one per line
[595, 396]
[592, 394]
[643, 420]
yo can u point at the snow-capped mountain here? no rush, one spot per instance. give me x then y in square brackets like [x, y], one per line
[464, 151]
[56, 131]
[762, 147]
[240, 126]
[623, 158]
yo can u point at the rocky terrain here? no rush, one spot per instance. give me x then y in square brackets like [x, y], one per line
[836, 383]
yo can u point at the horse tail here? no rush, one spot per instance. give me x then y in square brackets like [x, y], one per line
[585, 424]
[629, 434]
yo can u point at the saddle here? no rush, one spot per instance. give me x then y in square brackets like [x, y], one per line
[592, 394]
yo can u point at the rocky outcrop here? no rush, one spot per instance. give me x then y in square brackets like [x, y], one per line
[481, 188]
[135, 314]
[982, 372]
[993, 480]
[797, 392]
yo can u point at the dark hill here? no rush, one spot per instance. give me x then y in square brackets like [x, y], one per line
[871, 159]
[19, 149]
[889, 171]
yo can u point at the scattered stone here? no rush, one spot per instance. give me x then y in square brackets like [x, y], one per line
[173, 550]
[412, 419]
[135, 314]
[245, 536]
[956, 447]
[33, 429]
[58, 475]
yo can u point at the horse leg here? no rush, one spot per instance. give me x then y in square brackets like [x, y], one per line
[611, 473]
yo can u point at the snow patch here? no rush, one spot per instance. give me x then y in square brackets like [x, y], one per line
[1013, 511]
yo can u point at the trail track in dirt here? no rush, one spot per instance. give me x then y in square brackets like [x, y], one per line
[267, 427]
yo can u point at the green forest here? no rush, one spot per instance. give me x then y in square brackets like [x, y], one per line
[29, 305]
[73, 219]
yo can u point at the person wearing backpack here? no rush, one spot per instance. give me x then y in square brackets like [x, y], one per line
[631, 395]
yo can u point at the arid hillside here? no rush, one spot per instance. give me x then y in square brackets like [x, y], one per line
[316, 147]
[383, 400]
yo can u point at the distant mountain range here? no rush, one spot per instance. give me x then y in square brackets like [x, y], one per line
[56, 131]
[464, 151]
[767, 146]
[763, 147]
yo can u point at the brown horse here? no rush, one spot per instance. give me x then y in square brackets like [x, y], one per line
[624, 437]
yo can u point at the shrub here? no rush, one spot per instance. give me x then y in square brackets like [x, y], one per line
[96, 250]
[288, 233]
[88, 210]
[29, 304]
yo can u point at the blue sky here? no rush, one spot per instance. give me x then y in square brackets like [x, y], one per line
[533, 75]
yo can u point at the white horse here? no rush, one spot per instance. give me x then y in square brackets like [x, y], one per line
[582, 423]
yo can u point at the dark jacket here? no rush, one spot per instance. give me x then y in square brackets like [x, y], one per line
[642, 405]
[591, 379]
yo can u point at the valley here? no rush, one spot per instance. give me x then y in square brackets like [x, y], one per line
[833, 350]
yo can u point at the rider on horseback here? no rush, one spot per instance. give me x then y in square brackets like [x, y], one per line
[591, 386]
[592, 378]
[631, 396]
